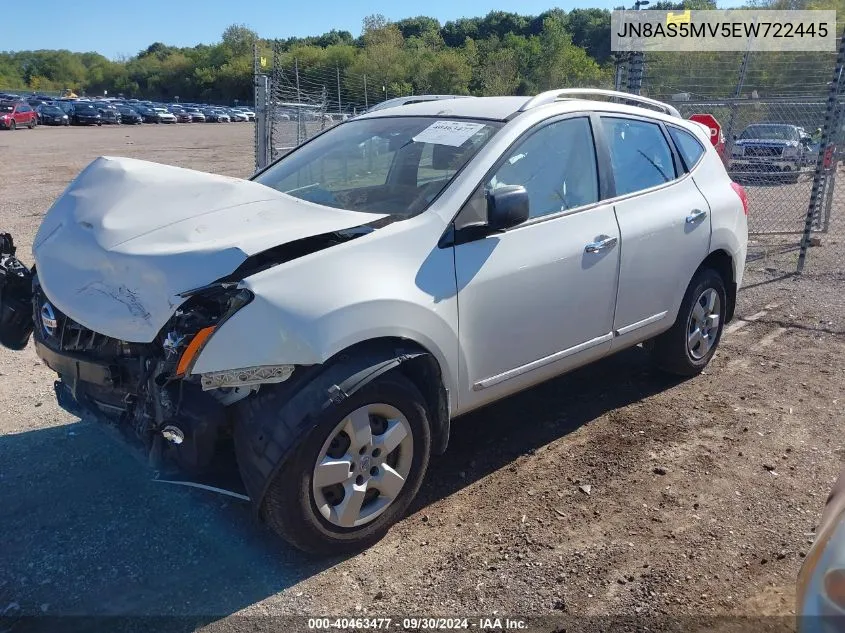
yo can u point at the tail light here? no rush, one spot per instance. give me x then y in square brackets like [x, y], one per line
[742, 196]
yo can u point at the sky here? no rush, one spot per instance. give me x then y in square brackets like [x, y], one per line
[122, 29]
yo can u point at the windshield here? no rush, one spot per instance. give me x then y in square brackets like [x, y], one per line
[771, 132]
[394, 165]
[86, 107]
[51, 110]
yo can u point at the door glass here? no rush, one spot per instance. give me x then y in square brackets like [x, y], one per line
[639, 153]
[555, 163]
[688, 146]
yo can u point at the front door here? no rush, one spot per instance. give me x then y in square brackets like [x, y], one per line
[539, 298]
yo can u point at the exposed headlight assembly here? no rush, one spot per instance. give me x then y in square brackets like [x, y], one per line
[790, 152]
[205, 310]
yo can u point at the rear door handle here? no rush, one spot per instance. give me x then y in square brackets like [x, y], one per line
[696, 215]
[601, 244]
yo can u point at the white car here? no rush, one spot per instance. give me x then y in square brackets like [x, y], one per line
[339, 311]
[250, 115]
[164, 116]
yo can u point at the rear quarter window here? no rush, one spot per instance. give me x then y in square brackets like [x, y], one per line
[690, 149]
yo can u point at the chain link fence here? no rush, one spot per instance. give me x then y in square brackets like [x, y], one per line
[781, 118]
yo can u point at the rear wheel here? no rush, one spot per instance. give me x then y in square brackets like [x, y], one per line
[32, 124]
[357, 471]
[687, 347]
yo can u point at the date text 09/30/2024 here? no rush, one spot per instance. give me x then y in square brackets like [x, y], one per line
[416, 624]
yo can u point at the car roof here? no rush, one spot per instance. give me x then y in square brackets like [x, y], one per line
[497, 108]
[561, 100]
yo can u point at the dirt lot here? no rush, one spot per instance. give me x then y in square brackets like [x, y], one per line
[703, 495]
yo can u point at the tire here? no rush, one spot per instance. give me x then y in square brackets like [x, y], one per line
[32, 124]
[13, 125]
[290, 505]
[676, 351]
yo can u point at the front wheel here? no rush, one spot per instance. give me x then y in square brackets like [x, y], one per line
[686, 348]
[13, 125]
[354, 475]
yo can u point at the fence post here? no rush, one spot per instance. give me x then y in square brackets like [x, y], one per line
[299, 138]
[740, 83]
[339, 107]
[366, 103]
[635, 72]
[832, 121]
[617, 78]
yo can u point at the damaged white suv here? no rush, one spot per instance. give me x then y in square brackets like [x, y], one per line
[330, 316]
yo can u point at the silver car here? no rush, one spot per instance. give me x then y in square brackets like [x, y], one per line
[339, 311]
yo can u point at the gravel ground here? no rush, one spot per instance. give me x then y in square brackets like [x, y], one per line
[612, 490]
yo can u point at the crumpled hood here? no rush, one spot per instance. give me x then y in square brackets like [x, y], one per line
[127, 236]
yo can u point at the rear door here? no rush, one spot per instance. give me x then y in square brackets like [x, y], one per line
[664, 222]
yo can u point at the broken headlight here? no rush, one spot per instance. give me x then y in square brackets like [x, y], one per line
[195, 321]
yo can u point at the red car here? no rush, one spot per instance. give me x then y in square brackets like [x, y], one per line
[16, 113]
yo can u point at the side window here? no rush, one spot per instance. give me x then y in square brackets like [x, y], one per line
[639, 153]
[557, 166]
[688, 146]
[23, 108]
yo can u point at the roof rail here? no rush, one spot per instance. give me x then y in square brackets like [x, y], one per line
[550, 96]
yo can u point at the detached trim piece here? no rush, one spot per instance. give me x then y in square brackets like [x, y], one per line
[247, 376]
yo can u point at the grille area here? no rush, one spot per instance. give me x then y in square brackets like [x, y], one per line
[763, 151]
[61, 333]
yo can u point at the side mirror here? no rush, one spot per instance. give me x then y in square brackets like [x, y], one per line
[507, 207]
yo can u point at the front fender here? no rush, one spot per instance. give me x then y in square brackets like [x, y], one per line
[271, 424]
[262, 333]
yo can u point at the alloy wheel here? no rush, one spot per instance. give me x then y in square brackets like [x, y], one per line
[363, 465]
[703, 324]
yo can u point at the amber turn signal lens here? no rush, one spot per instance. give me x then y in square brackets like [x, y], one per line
[194, 348]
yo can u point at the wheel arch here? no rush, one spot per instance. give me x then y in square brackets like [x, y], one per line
[722, 262]
[263, 443]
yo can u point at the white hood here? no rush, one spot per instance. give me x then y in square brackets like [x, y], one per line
[127, 236]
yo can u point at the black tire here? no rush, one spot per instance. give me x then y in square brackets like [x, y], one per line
[13, 125]
[289, 506]
[32, 124]
[671, 350]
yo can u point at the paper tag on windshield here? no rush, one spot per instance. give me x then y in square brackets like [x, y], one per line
[454, 133]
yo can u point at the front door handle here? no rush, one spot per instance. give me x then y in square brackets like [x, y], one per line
[696, 215]
[602, 244]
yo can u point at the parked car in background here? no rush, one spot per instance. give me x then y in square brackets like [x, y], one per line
[196, 115]
[52, 115]
[65, 106]
[250, 115]
[214, 116]
[183, 117]
[769, 149]
[236, 115]
[15, 114]
[147, 114]
[164, 116]
[85, 113]
[129, 116]
[108, 113]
